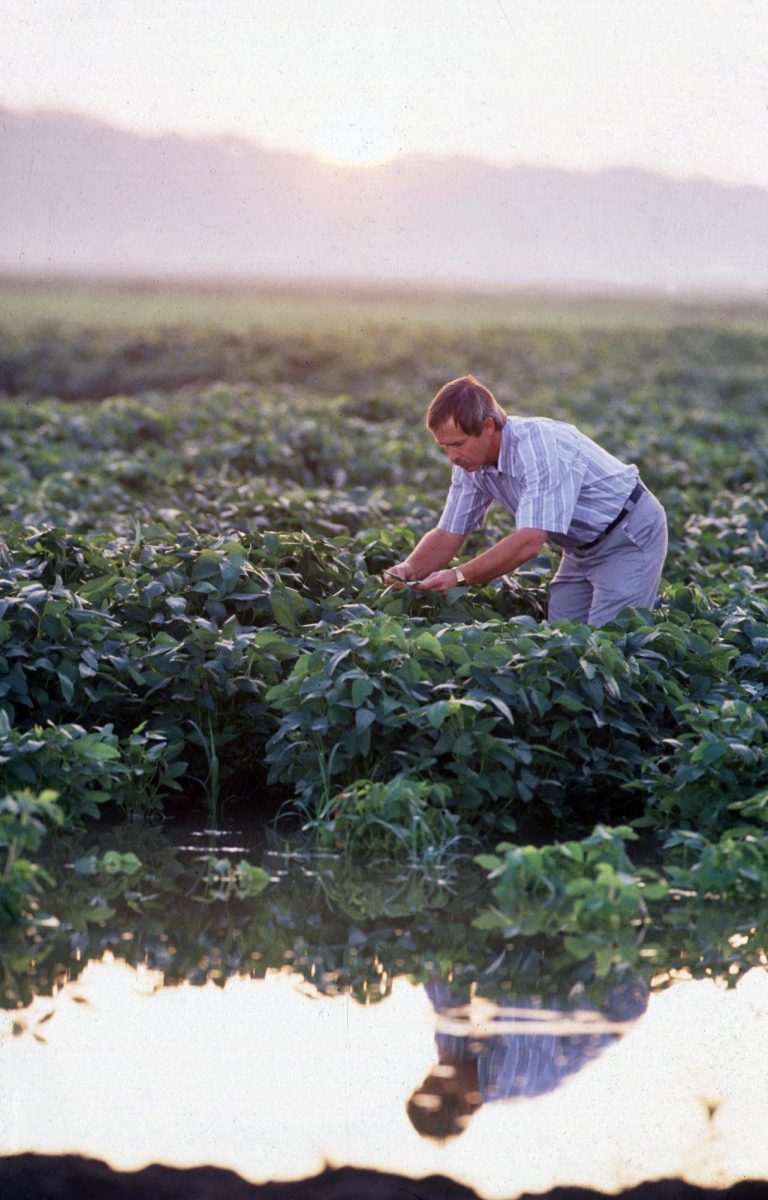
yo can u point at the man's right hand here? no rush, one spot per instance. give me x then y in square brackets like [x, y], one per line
[399, 575]
[434, 551]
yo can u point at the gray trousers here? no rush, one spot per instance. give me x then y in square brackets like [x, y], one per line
[592, 586]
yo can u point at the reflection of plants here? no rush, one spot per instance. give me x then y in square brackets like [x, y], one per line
[345, 923]
[225, 880]
[364, 891]
[111, 862]
[591, 892]
[588, 890]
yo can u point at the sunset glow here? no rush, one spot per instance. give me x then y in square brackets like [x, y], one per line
[510, 81]
[354, 146]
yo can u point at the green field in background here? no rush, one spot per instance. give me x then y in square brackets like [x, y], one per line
[236, 306]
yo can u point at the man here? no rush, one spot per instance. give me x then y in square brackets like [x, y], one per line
[561, 487]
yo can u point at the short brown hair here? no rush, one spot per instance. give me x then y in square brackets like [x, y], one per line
[468, 402]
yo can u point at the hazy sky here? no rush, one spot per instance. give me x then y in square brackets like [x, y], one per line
[676, 85]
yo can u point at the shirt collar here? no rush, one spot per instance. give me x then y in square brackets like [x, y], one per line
[504, 465]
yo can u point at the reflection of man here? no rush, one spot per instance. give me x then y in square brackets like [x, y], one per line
[560, 486]
[474, 1071]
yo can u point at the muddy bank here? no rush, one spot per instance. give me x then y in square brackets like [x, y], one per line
[68, 1177]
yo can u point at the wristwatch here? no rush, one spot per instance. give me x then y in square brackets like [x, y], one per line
[459, 574]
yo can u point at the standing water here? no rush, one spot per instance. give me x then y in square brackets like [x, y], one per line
[346, 1016]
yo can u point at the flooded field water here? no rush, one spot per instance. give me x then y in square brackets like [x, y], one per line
[355, 1017]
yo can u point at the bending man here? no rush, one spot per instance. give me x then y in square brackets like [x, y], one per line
[561, 487]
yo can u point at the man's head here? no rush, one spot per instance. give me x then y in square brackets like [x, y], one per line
[466, 421]
[468, 404]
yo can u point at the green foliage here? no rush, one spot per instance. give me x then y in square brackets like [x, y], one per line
[735, 865]
[194, 527]
[404, 818]
[25, 818]
[509, 714]
[718, 755]
[88, 768]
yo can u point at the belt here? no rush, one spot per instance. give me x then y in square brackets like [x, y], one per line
[637, 491]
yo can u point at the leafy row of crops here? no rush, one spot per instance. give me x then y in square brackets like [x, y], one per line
[191, 607]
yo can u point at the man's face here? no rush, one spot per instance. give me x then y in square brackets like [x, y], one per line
[464, 449]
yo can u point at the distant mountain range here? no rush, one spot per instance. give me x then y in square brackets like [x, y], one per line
[77, 195]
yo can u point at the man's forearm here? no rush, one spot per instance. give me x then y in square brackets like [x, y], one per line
[434, 551]
[506, 555]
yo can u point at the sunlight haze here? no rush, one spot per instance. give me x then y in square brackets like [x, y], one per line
[679, 88]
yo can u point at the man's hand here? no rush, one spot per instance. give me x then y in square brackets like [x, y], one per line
[399, 575]
[433, 552]
[438, 581]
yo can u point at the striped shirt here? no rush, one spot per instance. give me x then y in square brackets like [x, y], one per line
[549, 476]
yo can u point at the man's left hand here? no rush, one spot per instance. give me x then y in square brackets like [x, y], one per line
[438, 581]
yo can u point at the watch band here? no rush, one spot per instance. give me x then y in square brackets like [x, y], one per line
[459, 574]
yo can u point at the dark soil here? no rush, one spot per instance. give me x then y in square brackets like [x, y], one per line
[67, 1177]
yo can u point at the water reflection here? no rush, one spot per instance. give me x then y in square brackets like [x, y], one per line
[372, 1018]
[344, 926]
[518, 1050]
[272, 1079]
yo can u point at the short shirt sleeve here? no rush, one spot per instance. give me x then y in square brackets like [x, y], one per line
[550, 480]
[465, 507]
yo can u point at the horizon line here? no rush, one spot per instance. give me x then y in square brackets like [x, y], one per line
[97, 278]
[436, 156]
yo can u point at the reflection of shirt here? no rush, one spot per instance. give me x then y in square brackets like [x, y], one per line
[530, 1064]
[549, 476]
